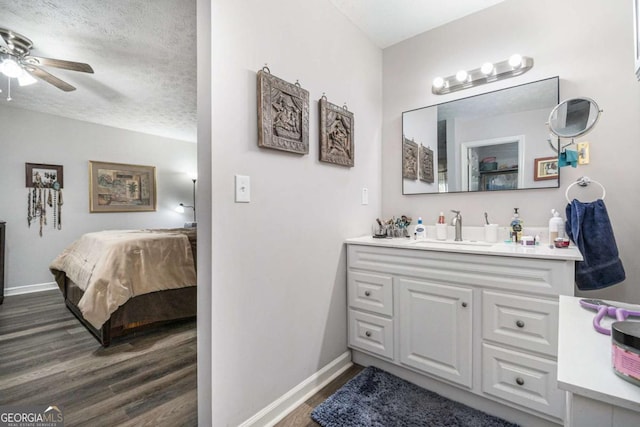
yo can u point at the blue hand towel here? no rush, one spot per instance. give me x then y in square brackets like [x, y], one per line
[589, 228]
[568, 158]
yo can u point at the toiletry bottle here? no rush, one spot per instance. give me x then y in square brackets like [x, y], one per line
[516, 226]
[556, 226]
[420, 230]
[441, 219]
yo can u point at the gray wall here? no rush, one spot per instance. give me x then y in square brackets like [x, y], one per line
[589, 44]
[279, 274]
[29, 137]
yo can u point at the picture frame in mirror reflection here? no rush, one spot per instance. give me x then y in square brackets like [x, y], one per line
[546, 168]
[409, 159]
[426, 164]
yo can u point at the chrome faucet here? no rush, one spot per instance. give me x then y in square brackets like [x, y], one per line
[456, 221]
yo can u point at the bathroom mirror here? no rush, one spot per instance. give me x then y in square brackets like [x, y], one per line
[574, 117]
[487, 142]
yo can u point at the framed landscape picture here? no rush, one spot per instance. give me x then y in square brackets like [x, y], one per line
[118, 187]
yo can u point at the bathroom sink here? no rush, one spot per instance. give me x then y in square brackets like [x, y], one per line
[430, 242]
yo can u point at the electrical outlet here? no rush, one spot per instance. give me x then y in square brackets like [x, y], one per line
[243, 189]
[583, 153]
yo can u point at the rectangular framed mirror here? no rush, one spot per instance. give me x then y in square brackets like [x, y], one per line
[487, 142]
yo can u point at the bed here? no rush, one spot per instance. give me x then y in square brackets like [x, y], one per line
[120, 282]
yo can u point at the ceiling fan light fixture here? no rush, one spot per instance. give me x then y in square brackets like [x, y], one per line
[11, 68]
[26, 79]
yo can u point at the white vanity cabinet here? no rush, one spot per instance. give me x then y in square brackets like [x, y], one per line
[435, 328]
[483, 323]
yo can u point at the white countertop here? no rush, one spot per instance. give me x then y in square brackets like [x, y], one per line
[498, 249]
[584, 357]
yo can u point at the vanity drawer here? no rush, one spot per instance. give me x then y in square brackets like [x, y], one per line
[371, 333]
[526, 322]
[523, 379]
[371, 292]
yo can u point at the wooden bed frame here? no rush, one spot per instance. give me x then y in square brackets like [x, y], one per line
[141, 312]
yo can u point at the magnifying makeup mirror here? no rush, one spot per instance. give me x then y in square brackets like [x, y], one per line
[574, 117]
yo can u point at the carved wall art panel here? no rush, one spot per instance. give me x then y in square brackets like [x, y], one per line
[409, 159]
[426, 164]
[336, 134]
[283, 114]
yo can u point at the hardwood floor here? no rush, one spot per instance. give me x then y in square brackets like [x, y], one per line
[48, 358]
[301, 416]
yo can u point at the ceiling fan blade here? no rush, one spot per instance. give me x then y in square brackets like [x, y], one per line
[50, 78]
[59, 63]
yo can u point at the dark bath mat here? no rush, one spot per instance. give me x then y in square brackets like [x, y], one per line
[375, 398]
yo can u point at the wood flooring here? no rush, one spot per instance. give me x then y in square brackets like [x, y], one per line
[301, 416]
[48, 358]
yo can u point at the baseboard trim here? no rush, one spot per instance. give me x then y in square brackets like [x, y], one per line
[282, 406]
[38, 287]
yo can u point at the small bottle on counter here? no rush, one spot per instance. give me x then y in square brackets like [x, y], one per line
[516, 227]
[420, 230]
[556, 226]
[441, 227]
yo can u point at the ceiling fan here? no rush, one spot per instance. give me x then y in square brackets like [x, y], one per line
[17, 62]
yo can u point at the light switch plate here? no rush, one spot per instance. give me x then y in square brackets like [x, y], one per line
[243, 189]
[365, 196]
[583, 153]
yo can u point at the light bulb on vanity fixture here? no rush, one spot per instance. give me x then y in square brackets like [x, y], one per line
[487, 73]
[181, 206]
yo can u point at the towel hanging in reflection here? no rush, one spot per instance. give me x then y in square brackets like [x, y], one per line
[568, 158]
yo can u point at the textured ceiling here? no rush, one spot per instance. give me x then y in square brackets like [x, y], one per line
[143, 53]
[388, 22]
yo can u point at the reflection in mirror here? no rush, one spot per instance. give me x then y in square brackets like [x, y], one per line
[486, 142]
[574, 117]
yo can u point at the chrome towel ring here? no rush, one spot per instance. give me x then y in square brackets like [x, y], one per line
[583, 181]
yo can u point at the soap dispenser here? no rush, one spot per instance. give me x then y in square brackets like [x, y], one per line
[516, 226]
[420, 230]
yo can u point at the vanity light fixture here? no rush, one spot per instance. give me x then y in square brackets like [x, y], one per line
[488, 72]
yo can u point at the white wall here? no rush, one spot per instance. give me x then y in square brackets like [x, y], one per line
[29, 137]
[279, 273]
[589, 44]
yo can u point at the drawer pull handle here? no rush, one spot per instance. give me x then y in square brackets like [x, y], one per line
[368, 334]
[367, 293]
[464, 304]
[519, 381]
[519, 323]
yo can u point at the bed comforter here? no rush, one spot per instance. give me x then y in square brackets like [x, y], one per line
[113, 266]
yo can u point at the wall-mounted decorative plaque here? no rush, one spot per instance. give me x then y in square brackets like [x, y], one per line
[283, 114]
[336, 134]
[426, 164]
[409, 159]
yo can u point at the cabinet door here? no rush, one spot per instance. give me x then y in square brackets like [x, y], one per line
[435, 329]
